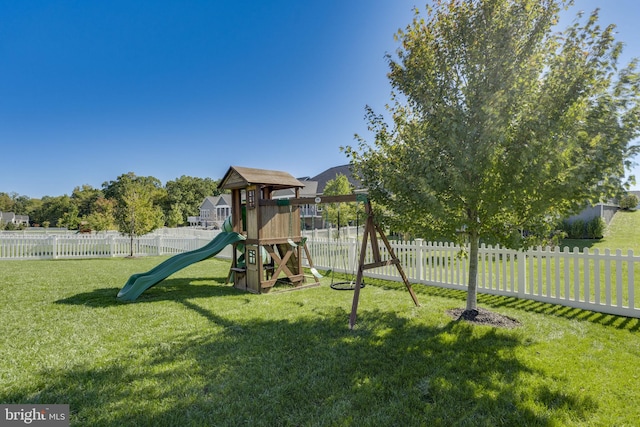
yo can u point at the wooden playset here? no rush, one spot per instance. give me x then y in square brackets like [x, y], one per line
[274, 245]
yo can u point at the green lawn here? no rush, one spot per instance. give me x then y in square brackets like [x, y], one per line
[622, 233]
[194, 352]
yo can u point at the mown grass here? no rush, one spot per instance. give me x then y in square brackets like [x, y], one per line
[193, 352]
[622, 233]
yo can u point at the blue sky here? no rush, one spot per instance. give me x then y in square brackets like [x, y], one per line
[91, 90]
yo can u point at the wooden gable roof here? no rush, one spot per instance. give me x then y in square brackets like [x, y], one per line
[238, 177]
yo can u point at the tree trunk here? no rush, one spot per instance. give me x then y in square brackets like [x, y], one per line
[472, 289]
[132, 227]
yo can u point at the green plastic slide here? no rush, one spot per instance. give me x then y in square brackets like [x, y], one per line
[140, 282]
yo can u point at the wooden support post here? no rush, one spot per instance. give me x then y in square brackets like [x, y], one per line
[314, 272]
[370, 233]
[363, 251]
[375, 249]
[398, 266]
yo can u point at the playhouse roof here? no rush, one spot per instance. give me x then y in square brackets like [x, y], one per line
[240, 177]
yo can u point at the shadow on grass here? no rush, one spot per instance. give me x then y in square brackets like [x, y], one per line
[313, 371]
[177, 289]
[496, 301]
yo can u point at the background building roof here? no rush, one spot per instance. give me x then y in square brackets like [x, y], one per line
[332, 173]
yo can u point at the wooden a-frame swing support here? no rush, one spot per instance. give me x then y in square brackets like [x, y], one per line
[372, 232]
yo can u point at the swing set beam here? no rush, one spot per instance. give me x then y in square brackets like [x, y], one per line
[346, 198]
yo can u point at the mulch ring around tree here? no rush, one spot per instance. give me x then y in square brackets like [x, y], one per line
[481, 316]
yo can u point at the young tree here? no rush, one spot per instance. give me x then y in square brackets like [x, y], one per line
[135, 212]
[175, 217]
[339, 214]
[102, 216]
[500, 125]
[69, 219]
[628, 201]
[115, 189]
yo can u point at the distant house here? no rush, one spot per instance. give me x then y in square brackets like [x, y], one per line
[311, 214]
[213, 211]
[606, 211]
[7, 217]
[323, 178]
[12, 218]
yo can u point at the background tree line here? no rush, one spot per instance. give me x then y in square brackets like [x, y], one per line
[131, 204]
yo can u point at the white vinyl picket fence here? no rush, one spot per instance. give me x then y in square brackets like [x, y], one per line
[21, 247]
[601, 281]
[598, 281]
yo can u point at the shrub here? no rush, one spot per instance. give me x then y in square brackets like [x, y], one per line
[579, 229]
[595, 228]
[576, 230]
[563, 229]
[628, 202]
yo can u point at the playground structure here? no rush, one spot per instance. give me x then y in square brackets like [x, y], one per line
[273, 242]
[268, 246]
[274, 224]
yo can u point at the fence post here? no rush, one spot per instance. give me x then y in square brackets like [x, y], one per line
[159, 244]
[418, 260]
[586, 279]
[522, 274]
[54, 246]
[112, 246]
[353, 253]
[619, 277]
[630, 279]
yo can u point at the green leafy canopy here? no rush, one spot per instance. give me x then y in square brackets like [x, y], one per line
[340, 214]
[499, 124]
